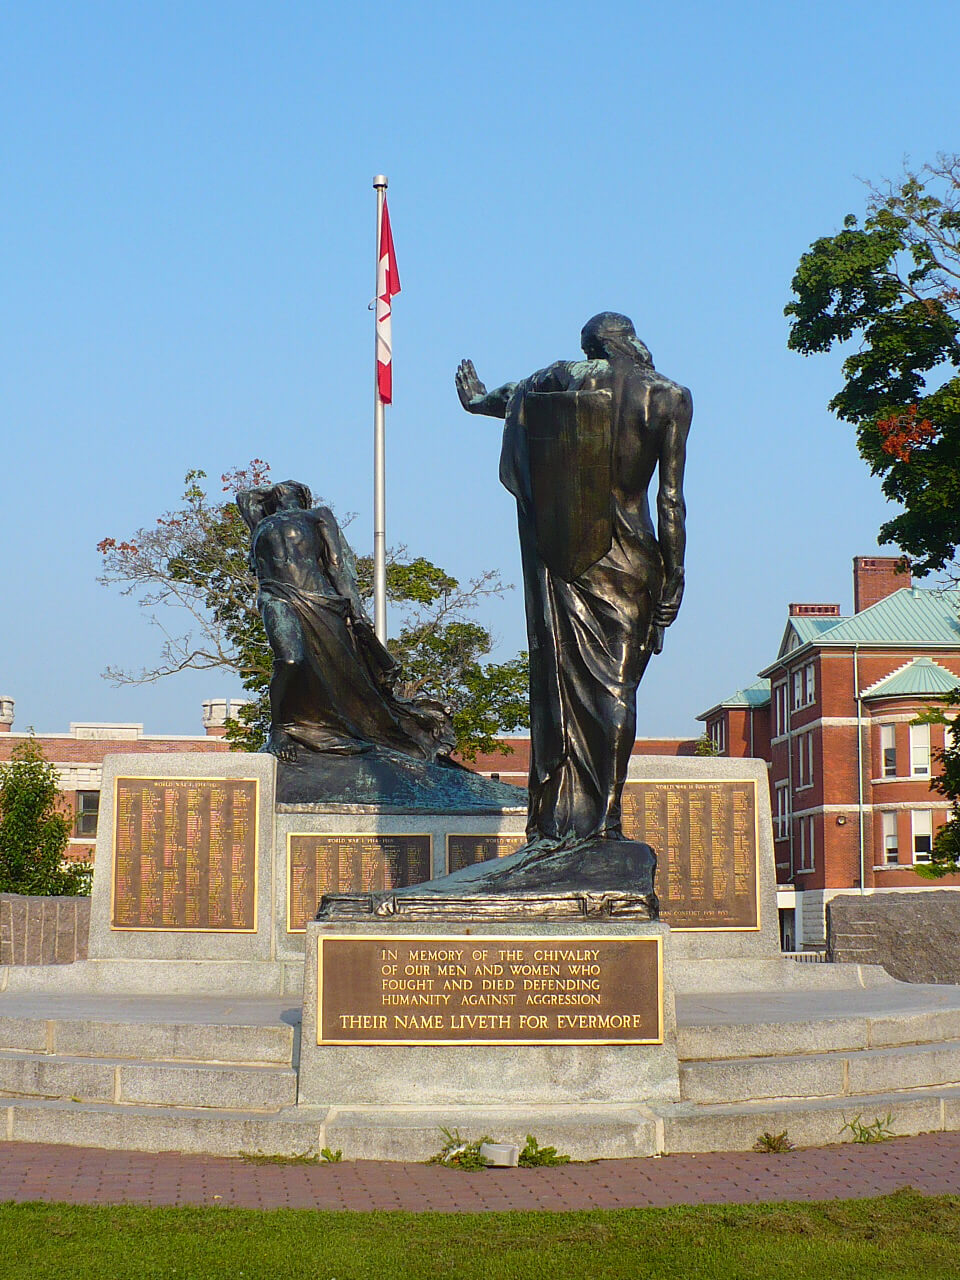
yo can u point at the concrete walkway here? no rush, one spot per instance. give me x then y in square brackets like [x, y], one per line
[929, 1163]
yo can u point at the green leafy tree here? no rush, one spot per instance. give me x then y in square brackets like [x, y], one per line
[892, 286]
[195, 559]
[34, 832]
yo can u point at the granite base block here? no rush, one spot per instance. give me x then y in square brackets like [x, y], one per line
[482, 1075]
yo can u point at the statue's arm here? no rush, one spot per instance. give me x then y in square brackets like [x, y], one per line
[475, 397]
[671, 509]
[338, 559]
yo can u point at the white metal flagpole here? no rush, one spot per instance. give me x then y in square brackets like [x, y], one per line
[379, 455]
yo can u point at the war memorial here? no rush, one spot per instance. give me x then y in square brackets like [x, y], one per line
[350, 941]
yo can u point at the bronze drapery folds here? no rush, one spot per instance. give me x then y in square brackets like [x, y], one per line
[332, 688]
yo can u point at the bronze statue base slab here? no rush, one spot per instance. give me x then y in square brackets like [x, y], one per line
[542, 881]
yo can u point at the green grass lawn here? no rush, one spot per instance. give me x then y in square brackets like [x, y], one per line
[903, 1235]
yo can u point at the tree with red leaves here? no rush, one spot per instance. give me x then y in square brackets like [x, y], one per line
[894, 284]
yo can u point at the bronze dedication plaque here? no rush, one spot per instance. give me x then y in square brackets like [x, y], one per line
[465, 850]
[185, 854]
[705, 835]
[360, 863]
[489, 989]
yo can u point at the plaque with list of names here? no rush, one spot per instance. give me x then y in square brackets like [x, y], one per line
[465, 850]
[482, 989]
[361, 863]
[185, 854]
[705, 835]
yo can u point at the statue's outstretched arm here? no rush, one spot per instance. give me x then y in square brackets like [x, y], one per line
[671, 509]
[475, 397]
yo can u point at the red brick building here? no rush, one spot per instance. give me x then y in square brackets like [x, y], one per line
[853, 810]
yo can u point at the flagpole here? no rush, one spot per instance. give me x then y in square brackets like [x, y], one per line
[379, 456]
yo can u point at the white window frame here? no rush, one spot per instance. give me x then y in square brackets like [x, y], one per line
[921, 829]
[888, 742]
[804, 760]
[781, 709]
[781, 817]
[919, 751]
[718, 734]
[805, 843]
[891, 839]
[798, 688]
[809, 684]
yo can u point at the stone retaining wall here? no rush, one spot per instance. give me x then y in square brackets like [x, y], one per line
[43, 930]
[915, 936]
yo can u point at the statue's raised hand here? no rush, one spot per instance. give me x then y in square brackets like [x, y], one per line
[469, 387]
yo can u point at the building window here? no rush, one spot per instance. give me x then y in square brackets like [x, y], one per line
[805, 760]
[803, 686]
[891, 847]
[920, 750]
[781, 816]
[88, 806]
[718, 735]
[780, 709]
[888, 750]
[921, 823]
[805, 844]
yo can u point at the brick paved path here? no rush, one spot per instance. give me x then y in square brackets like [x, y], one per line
[34, 1171]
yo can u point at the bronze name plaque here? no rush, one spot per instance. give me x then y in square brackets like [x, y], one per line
[185, 854]
[705, 835]
[466, 850]
[359, 863]
[482, 989]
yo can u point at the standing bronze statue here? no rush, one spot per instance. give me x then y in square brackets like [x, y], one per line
[581, 444]
[332, 689]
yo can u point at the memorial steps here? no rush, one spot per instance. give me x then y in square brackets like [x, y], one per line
[219, 1076]
[153, 1074]
[809, 1062]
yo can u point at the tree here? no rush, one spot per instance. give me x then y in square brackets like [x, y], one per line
[195, 559]
[894, 284]
[33, 831]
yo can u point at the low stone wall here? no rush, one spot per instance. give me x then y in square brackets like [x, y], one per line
[43, 930]
[915, 936]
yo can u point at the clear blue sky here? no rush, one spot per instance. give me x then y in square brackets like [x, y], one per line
[187, 224]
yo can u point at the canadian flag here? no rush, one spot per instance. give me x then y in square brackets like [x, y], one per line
[388, 284]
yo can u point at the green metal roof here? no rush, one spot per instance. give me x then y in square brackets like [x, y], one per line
[921, 678]
[808, 628]
[755, 695]
[911, 618]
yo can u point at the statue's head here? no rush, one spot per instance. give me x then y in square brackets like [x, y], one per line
[256, 504]
[291, 493]
[609, 334]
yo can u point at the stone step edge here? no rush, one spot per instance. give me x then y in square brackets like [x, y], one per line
[826, 1102]
[687, 1058]
[191, 1110]
[305, 1130]
[48, 1030]
[172, 1064]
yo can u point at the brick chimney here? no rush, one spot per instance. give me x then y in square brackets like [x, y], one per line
[6, 714]
[876, 577]
[814, 611]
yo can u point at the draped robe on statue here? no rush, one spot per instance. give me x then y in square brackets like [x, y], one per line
[588, 623]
